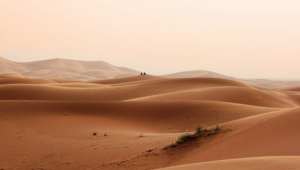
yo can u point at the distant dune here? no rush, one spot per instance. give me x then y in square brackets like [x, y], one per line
[196, 73]
[264, 83]
[105, 73]
[293, 88]
[12, 75]
[66, 69]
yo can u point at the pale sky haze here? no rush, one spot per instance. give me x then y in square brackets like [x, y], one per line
[240, 38]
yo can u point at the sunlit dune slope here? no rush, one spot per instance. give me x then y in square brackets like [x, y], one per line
[80, 85]
[264, 83]
[262, 135]
[112, 93]
[126, 79]
[294, 96]
[12, 75]
[65, 81]
[163, 116]
[293, 88]
[66, 69]
[7, 81]
[75, 70]
[7, 66]
[268, 134]
[266, 163]
[196, 74]
[242, 95]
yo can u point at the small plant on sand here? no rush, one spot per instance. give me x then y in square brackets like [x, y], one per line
[199, 129]
[105, 134]
[210, 132]
[217, 127]
[141, 135]
[184, 137]
[174, 144]
[205, 128]
[166, 147]
[94, 133]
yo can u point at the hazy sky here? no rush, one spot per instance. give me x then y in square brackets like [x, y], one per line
[240, 38]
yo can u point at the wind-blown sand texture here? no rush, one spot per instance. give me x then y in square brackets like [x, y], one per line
[49, 124]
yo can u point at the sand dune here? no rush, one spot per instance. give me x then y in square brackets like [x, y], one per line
[264, 83]
[196, 74]
[69, 125]
[153, 115]
[294, 88]
[66, 69]
[12, 75]
[7, 66]
[79, 85]
[100, 70]
[109, 93]
[126, 79]
[251, 137]
[25, 81]
[49, 123]
[266, 163]
[240, 95]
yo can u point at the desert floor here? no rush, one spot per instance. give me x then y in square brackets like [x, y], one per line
[49, 124]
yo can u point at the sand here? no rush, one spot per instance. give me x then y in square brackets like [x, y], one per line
[106, 73]
[49, 123]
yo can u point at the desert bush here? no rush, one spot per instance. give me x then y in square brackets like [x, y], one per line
[105, 134]
[199, 129]
[210, 132]
[217, 127]
[205, 128]
[166, 147]
[141, 135]
[184, 137]
[174, 144]
[94, 133]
